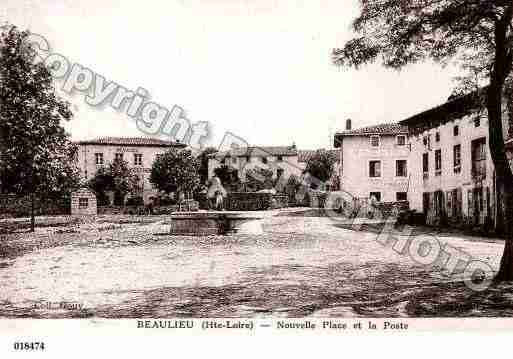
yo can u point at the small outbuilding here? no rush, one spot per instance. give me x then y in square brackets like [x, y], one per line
[83, 202]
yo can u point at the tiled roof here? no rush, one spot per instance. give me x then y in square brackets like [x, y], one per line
[131, 141]
[382, 129]
[453, 109]
[258, 151]
[305, 155]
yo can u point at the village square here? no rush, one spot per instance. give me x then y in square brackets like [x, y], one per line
[409, 217]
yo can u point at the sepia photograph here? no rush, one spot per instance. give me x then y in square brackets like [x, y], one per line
[255, 166]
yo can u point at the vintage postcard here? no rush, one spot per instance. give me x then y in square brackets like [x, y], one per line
[264, 167]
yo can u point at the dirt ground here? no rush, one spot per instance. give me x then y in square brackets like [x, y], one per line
[303, 265]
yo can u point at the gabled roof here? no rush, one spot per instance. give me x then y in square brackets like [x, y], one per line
[305, 155]
[381, 129]
[131, 141]
[258, 151]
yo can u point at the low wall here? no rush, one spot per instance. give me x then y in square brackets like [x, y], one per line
[145, 210]
[188, 206]
[254, 201]
[20, 206]
[357, 207]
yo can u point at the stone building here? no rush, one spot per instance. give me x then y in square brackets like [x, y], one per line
[281, 160]
[83, 202]
[138, 152]
[374, 162]
[453, 177]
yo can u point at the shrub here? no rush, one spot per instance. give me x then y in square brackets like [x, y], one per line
[135, 201]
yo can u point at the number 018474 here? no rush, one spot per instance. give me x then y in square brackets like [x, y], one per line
[29, 346]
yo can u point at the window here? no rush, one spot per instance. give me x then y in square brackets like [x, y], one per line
[457, 158]
[138, 159]
[427, 141]
[479, 158]
[401, 168]
[118, 156]
[425, 164]
[98, 158]
[280, 158]
[438, 162]
[437, 137]
[375, 169]
[401, 196]
[456, 130]
[234, 160]
[401, 140]
[83, 202]
[279, 172]
[374, 141]
[376, 196]
[477, 121]
[248, 159]
[264, 160]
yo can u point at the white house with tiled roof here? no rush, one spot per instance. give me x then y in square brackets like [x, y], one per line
[374, 161]
[282, 160]
[138, 152]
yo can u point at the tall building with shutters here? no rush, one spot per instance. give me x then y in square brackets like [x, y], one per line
[451, 167]
[374, 162]
[138, 152]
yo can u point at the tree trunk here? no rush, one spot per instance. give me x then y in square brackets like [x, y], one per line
[504, 179]
[32, 214]
[506, 267]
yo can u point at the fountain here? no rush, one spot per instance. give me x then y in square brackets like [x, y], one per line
[217, 222]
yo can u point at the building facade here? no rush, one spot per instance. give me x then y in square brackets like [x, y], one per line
[138, 152]
[281, 160]
[374, 162]
[453, 179]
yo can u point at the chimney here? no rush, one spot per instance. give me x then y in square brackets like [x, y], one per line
[348, 124]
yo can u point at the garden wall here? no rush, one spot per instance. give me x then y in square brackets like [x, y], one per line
[20, 206]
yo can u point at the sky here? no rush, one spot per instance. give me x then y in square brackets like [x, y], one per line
[258, 69]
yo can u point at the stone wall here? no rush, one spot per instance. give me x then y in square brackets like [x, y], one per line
[20, 206]
[254, 201]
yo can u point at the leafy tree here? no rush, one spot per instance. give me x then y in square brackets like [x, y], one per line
[228, 176]
[476, 34]
[203, 159]
[116, 177]
[37, 157]
[321, 166]
[176, 171]
[258, 178]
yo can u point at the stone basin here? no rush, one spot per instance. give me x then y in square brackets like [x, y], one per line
[215, 223]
